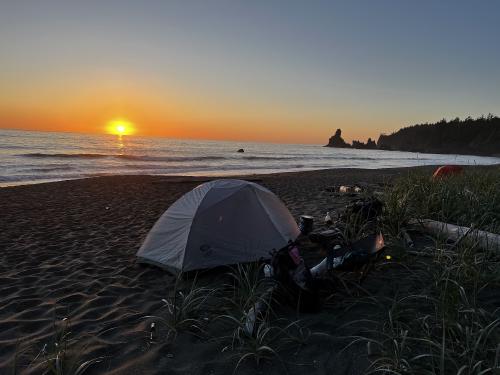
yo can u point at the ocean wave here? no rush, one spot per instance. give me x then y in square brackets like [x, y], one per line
[27, 178]
[267, 158]
[51, 169]
[122, 156]
[168, 158]
[59, 156]
[7, 146]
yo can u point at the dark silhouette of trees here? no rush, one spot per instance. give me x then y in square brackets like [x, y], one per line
[479, 136]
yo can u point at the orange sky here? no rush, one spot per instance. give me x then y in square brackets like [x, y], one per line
[171, 125]
[87, 107]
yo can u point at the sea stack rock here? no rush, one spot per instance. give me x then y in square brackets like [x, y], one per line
[369, 145]
[337, 141]
[241, 150]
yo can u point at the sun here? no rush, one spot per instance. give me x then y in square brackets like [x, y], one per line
[120, 127]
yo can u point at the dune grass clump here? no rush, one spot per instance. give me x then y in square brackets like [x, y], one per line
[269, 335]
[398, 210]
[244, 291]
[60, 356]
[245, 286]
[447, 323]
[471, 198]
[184, 309]
[355, 227]
[266, 343]
[263, 343]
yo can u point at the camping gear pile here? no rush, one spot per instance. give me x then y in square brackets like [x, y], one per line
[225, 222]
[289, 269]
[350, 257]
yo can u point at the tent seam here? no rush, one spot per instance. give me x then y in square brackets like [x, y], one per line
[191, 224]
[269, 216]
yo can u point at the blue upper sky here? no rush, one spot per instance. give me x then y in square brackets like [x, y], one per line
[365, 66]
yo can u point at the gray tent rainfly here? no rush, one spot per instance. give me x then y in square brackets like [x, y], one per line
[218, 223]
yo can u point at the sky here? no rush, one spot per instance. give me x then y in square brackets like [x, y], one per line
[260, 70]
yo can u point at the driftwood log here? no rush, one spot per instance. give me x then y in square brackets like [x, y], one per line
[485, 240]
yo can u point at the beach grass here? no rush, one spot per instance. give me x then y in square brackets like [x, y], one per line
[445, 324]
[60, 355]
[468, 199]
[183, 310]
[271, 334]
[244, 287]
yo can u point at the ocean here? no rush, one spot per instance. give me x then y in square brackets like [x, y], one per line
[31, 157]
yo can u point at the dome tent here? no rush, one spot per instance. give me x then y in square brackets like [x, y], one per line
[218, 223]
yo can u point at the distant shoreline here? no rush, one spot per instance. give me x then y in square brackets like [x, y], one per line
[418, 152]
[477, 137]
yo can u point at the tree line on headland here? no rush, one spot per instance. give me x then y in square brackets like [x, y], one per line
[480, 136]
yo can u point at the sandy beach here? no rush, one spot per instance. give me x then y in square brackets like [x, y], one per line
[68, 251]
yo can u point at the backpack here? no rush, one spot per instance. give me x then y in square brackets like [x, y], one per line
[294, 277]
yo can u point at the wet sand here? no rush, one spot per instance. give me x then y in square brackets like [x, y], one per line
[68, 251]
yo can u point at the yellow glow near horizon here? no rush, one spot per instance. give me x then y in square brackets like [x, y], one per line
[120, 127]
